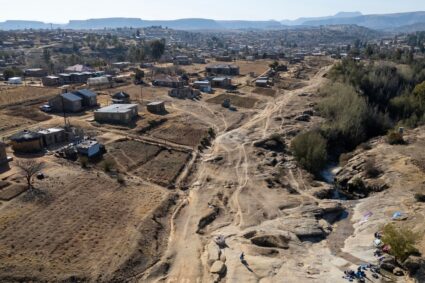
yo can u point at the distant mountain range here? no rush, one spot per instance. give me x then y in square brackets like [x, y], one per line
[389, 22]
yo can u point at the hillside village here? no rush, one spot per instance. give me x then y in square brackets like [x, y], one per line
[160, 155]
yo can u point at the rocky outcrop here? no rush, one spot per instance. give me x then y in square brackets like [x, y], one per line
[354, 180]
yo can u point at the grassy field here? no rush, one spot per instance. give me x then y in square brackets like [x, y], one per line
[12, 95]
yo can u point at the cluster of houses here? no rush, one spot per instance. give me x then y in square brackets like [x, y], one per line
[36, 141]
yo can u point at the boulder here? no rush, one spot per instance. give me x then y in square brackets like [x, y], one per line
[303, 118]
[213, 253]
[218, 267]
[398, 271]
[413, 263]
[388, 263]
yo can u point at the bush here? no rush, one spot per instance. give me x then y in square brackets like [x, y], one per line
[370, 169]
[344, 158]
[310, 150]
[84, 161]
[420, 197]
[120, 179]
[401, 241]
[108, 165]
[394, 137]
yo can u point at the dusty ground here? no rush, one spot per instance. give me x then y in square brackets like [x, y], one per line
[79, 224]
[241, 188]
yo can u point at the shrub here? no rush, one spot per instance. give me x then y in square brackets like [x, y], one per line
[401, 241]
[84, 161]
[120, 179]
[370, 169]
[344, 158]
[420, 197]
[394, 137]
[108, 165]
[310, 150]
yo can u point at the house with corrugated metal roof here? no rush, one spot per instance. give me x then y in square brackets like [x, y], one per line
[66, 102]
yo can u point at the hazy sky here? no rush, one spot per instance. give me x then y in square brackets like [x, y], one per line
[61, 11]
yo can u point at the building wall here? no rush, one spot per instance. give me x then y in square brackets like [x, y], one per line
[27, 146]
[3, 155]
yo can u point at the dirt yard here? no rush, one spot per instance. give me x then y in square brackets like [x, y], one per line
[150, 162]
[78, 225]
[235, 100]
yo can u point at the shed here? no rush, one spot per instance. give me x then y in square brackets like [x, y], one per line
[102, 81]
[51, 81]
[156, 107]
[121, 98]
[261, 83]
[26, 142]
[15, 81]
[204, 86]
[88, 148]
[52, 136]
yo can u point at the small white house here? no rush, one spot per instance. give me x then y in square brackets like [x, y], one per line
[15, 81]
[88, 148]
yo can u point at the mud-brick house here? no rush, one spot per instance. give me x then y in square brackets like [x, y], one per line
[26, 142]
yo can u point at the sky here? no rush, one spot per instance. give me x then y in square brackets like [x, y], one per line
[59, 11]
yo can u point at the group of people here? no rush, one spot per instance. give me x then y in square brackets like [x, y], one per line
[360, 274]
[381, 248]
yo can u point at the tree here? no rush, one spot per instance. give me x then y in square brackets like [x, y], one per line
[8, 73]
[401, 241]
[29, 168]
[157, 48]
[310, 150]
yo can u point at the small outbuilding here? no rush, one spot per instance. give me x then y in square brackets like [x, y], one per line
[51, 81]
[14, 81]
[156, 107]
[3, 156]
[121, 98]
[27, 142]
[52, 136]
[204, 86]
[184, 92]
[88, 148]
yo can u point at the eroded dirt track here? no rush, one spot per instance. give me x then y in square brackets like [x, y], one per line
[230, 191]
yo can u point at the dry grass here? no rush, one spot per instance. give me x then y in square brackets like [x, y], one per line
[258, 67]
[164, 168]
[87, 230]
[13, 95]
